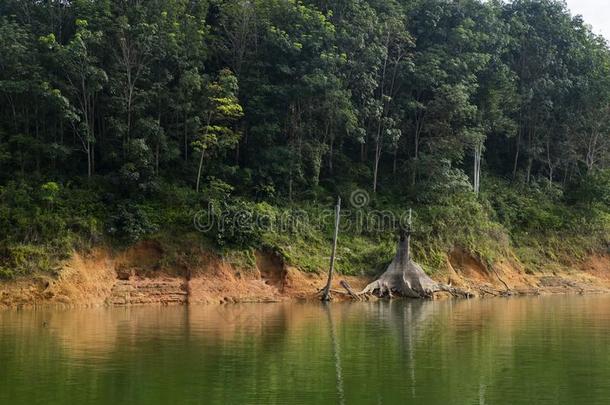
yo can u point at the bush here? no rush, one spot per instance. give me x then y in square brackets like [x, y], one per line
[132, 222]
[235, 224]
[591, 188]
[41, 225]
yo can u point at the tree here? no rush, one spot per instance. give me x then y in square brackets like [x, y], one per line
[395, 47]
[84, 79]
[540, 32]
[222, 110]
[406, 278]
[135, 38]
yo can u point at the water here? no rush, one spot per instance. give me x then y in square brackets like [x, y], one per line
[527, 350]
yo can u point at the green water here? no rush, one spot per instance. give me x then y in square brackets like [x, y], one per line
[527, 350]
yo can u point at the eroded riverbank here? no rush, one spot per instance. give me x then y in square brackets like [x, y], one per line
[140, 275]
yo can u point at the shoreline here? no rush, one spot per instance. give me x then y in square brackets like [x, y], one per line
[138, 276]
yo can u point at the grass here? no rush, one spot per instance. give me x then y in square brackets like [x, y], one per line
[43, 224]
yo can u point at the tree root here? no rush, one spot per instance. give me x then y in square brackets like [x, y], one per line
[384, 290]
[456, 292]
[500, 278]
[406, 278]
[353, 294]
[490, 292]
[403, 278]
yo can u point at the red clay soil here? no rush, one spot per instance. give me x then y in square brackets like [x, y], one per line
[139, 275]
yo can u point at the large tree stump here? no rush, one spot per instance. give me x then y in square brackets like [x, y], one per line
[406, 278]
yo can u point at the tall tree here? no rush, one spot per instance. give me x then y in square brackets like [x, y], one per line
[83, 80]
[222, 110]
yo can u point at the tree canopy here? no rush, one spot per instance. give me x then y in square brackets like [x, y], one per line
[287, 100]
[392, 92]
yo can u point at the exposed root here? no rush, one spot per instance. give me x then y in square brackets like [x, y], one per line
[353, 294]
[406, 278]
[489, 292]
[500, 278]
[456, 292]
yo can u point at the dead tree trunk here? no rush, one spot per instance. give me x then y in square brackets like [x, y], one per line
[478, 153]
[326, 291]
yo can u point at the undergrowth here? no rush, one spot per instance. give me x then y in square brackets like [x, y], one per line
[43, 224]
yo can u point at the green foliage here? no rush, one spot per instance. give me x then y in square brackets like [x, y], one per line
[235, 224]
[132, 222]
[544, 227]
[123, 120]
[42, 225]
[592, 188]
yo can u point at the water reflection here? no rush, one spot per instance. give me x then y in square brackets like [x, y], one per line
[336, 348]
[553, 350]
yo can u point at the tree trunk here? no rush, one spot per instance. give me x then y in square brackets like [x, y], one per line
[406, 278]
[395, 160]
[185, 136]
[376, 163]
[326, 291]
[207, 128]
[199, 171]
[89, 159]
[478, 152]
[330, 155]
[516, 161]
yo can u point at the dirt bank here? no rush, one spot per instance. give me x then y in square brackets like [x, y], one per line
[142, 275]
[509, 277]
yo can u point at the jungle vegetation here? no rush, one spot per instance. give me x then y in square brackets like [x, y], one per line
[120, 119]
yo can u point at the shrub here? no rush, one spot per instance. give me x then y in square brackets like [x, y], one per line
[132, 222]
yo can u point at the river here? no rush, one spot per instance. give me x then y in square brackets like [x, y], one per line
[523, 350]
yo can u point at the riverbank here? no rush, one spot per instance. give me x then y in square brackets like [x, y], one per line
[141, 275]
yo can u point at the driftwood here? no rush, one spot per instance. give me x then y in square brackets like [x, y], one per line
[350, 291]
[406, 278]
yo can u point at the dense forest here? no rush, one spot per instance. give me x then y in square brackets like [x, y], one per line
[120, 119]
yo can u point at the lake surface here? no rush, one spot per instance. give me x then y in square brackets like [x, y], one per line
[523, 350]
